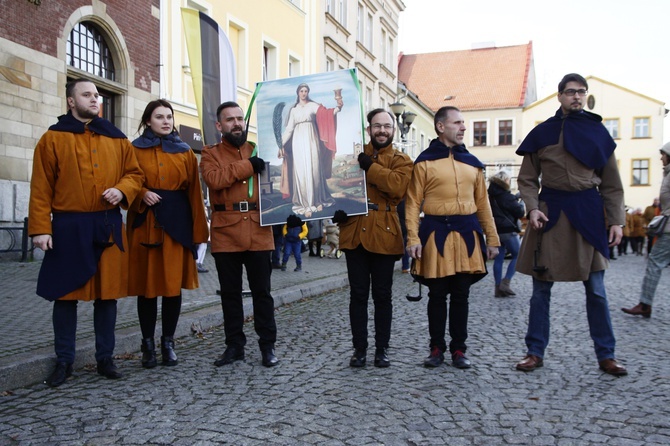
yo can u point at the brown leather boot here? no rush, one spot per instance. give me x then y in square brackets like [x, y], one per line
[640, 309]
[504, 287]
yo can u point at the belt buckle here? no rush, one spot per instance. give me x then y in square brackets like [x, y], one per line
[244, 206]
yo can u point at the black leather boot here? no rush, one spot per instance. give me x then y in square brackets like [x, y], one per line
[149, 353]
[167, 350]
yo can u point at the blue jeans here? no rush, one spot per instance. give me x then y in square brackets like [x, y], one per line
[597, 313]
[294, 248]
[508, 242]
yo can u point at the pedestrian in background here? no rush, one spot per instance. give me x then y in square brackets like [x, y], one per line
[372, 243]
[278, 236]
[649, 213]
[294, 232]
[638, 232]
[569, 181]
[659, 257]
[166, 224]
[448, 185]
[84, 170]
[507, 210]
[625, 238]
[230, 170]
[314, 237]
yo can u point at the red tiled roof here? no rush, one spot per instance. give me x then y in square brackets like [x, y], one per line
[479, 79]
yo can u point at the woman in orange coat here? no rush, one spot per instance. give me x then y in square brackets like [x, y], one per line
[166, 222]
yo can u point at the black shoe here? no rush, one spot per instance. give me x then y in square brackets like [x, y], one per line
[149, 353]
[276, 266]
[62, 372]
[231, 354]
[269, 358]
[358, 360]
[435, 359]
[167, 351]
[107, 369]
[381, 358]
[459, 360]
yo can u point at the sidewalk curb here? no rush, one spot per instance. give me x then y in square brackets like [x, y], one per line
[34, 367]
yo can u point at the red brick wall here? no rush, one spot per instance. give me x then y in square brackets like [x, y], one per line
[39, 26]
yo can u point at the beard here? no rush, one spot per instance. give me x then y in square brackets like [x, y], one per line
[235, 140]
[378, 145]
[84, 112]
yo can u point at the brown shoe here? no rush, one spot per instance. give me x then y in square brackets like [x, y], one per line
[529, 363]
[612, 367]
[640, 309]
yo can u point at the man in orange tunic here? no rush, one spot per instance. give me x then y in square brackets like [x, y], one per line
[231, 170]
[84, 170]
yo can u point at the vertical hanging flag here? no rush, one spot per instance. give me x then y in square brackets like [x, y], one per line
[212, 68]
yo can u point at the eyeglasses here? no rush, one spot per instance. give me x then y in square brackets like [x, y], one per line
[382, 126]
[572, 92]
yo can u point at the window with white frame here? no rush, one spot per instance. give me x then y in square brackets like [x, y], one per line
[641, 128]
[330, 65]
[360, 28]
[612, 126]
[382, 53]
[368, 32]
[342, 12]
[389, 53]
[269, 61]
[293, 67]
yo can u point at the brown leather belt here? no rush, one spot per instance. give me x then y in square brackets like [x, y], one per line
[242, 206]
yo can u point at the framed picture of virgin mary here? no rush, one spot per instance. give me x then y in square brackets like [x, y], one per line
[310, 132]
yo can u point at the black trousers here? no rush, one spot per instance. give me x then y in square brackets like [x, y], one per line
[365, 268]
[64, 320]
[258, 267]
[458, 287]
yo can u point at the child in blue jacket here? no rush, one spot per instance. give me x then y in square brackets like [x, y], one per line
[294, 231]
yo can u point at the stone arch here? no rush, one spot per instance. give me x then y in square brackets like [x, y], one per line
[124, 72]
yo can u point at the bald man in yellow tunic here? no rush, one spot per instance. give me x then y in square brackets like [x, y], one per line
[449, 248]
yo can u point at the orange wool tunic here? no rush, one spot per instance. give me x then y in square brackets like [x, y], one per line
[165, 270]
[70, 173]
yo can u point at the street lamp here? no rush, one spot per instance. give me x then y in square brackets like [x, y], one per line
[398, 109]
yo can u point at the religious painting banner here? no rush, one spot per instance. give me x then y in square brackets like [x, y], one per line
[310, 132]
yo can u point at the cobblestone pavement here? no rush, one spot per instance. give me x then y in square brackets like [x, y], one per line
[314, 398]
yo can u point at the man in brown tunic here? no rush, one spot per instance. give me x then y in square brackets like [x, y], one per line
[372, 243]
[231, 170]
[570, 184]
[84, 170]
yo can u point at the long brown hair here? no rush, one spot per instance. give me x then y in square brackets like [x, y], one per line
[151, 106]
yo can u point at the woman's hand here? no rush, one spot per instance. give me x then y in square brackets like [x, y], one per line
[151, 198]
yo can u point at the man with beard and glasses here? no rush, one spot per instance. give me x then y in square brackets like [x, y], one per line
[570, 183]
[372, 243]
[84, 170]
[230, 170]
[450, 252]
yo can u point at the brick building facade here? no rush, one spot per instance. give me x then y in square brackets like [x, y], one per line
[43, 44]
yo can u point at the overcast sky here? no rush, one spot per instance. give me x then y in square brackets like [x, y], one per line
[624, 42]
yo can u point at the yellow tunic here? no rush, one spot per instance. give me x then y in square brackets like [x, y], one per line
[70, 173]
[448, 187]
[165, 270]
